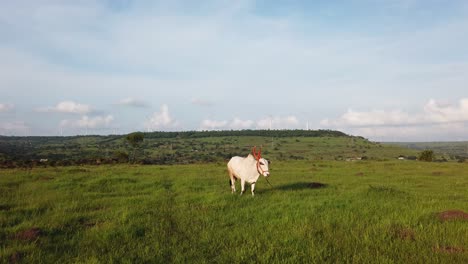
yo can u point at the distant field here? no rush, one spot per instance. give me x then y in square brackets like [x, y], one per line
[450, 150]
[318, 211]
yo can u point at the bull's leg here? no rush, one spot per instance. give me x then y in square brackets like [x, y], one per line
[252, 187]
[233, 185]
[242, 186]
[233, 181]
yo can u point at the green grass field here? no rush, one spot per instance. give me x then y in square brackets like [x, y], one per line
[366, 212]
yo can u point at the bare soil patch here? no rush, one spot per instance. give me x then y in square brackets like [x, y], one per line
[31, 234]
[437, 173]
[360, 174]
[448, 249]
[452, 215]
[404, 234]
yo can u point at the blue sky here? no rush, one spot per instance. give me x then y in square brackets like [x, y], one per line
[391, 70]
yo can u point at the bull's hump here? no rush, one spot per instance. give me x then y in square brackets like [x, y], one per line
[241, 161]
[236, 158]
[240, 158]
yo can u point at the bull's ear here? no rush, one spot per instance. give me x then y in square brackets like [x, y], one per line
[269, 162]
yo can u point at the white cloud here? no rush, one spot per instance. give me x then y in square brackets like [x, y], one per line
[208, 124]
[6, 107]
[429, 132]
[446, 113]
[240, 124]
[235, 124]
[132, 102]
[435, 121]
[161, 120]
[95, 122]
[371, 118]
[433, 113]
[14, 128]
[278, 122]
[68, 107]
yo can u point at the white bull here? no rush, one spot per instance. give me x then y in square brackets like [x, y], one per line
[247, 170]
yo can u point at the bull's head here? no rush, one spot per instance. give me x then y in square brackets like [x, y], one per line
[262, 164]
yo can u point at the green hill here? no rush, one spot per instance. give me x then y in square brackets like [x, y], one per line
[196, 147]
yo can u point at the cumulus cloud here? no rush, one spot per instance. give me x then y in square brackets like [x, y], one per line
[433, 113]
[13, 128]
[276, 122]
[208, 124]
[371, 118]
[95, 122]
[6, 107]
[132, 102]
[235, 124]
[68, 107]
[435, 121]
[161, 120]
[240, 124]
[447, 113]
[429, 132]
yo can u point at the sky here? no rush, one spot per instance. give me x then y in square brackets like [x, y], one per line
[387, 70]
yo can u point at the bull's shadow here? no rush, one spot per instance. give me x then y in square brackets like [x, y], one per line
[300, 186]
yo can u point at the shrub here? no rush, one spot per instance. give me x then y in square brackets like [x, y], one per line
[427, 155]
[121, 156]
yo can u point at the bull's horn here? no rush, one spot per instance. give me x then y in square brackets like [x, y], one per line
[257, 155]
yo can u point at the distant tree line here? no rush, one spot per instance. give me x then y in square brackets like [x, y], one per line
[248, 132]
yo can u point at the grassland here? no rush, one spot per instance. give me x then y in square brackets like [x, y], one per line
[365, 212]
